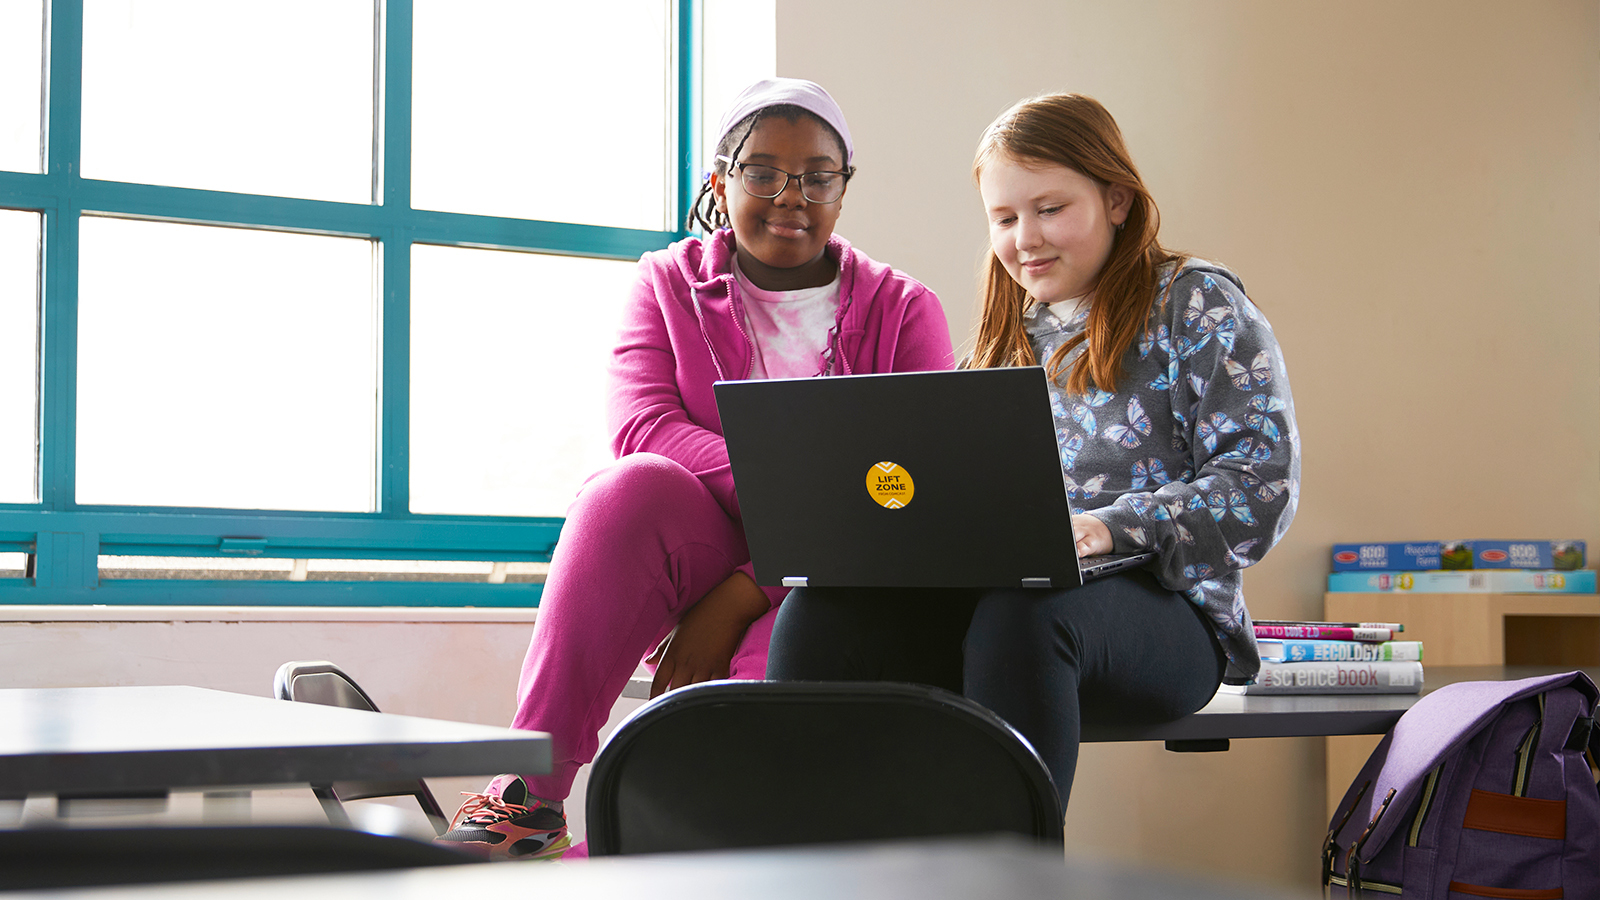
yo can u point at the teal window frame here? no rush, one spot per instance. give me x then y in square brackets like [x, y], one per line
[66, 539]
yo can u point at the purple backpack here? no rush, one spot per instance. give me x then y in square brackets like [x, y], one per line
[1482, 789]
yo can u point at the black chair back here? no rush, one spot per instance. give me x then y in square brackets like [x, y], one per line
[750, 764]
[320, 681]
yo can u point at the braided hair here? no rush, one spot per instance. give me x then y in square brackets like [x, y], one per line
[703, 212]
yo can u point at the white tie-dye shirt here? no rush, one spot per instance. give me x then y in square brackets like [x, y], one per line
[789, 329]
[1196, 455]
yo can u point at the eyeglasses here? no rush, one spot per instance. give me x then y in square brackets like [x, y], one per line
[766, 182]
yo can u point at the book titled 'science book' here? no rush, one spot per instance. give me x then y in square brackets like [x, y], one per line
[1333, 677]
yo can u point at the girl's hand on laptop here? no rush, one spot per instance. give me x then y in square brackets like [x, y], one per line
[708, 635]
[1092, 536]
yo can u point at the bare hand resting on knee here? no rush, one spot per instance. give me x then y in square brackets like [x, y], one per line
[702, 647]
[1092, 536]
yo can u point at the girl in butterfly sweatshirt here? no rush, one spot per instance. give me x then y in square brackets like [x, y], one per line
[1177, 436]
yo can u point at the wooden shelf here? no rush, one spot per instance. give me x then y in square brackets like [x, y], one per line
[1467, 630]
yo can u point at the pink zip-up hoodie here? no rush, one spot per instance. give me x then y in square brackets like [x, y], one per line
[684, 329]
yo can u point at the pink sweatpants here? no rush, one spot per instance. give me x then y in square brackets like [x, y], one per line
[643, 542]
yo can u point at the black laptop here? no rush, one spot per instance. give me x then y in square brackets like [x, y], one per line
[923, 479]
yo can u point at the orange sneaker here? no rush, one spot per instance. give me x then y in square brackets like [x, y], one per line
[506, 822]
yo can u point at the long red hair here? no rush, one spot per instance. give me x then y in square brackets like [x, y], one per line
[1075, 131]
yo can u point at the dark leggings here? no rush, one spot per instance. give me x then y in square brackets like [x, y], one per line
[1118, 650]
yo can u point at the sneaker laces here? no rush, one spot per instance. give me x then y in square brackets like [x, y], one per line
[486, 809]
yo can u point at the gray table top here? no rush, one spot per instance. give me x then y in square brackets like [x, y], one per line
[109, 740]
[1230, 716]
[1308, 715]
[935, 870]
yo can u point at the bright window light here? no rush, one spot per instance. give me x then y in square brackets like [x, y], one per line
[19, 356]
[552, 111]
[224, 367]
[21, 75]
[261, 98]
[508, 362]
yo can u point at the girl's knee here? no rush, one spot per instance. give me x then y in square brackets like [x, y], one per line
[638, 478]
[1011, 628]
[639, 488]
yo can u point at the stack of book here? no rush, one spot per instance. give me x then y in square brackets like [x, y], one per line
[1335, 658]
[1459, 567]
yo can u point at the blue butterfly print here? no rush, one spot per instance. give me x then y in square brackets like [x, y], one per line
[1165, 380]
[1187, 348]
[1090, 489]
[1259, 371]
[1267, 403]
[1138, 424]
[1218, 424]
[1196, 308]
[1198, 386]
[1233, 503]
[1228, 616]
[1264, 490]
[1213, 320]
[1149, 472]
[1226, 328]
[1209, 282]
[1138, 504]
[1162, 339]
[1083, 412]
[1170, 512]
[1198, 571]
[1263, 424]
[1236, 553]
[1069, 449]
[1252, 449]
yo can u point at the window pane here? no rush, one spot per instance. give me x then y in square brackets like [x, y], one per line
[513, 99]
[264, 98]
[508, 360]
[741, 46]
[225, 367]
[21, 71]
[19, 355]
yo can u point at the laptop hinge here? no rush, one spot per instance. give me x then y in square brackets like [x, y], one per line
[794, 581]
[1035, 582]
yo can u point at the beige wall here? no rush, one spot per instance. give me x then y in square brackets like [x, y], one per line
[1411, 191]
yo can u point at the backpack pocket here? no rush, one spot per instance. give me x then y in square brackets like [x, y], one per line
[1506, 839]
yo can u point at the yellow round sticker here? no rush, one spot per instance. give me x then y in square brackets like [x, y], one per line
[890, 485]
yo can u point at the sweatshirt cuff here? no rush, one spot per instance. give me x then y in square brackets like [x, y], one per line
[1119, 522]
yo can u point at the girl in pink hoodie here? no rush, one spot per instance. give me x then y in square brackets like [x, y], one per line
[652, 563]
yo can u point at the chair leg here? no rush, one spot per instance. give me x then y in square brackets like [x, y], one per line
[430, 807]
[337, 817]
